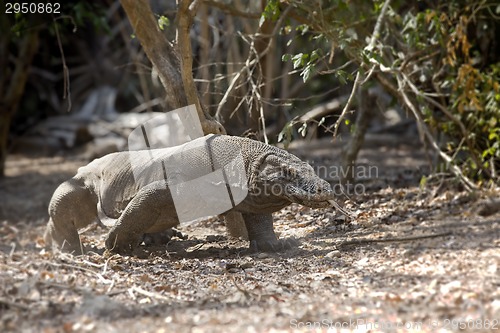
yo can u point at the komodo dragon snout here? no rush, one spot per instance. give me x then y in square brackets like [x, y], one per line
[108, 189]
[294, 180]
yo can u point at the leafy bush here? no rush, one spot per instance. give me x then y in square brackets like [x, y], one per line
[439, 60]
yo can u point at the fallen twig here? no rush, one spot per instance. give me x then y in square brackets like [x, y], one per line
[13, 304]
[245, 292]
[148, 294]
[340, 209]
[101, 278]
[359, 241]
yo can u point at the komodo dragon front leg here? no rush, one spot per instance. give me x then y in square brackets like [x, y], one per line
[261, 234]
[142, 215]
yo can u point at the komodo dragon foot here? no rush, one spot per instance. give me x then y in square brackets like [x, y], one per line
[277, 245]
[261, 234]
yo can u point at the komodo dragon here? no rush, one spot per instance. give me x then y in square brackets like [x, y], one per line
[134, 202]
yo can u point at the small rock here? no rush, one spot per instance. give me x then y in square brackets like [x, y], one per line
[394, 218]
[233, 269]
[246, 265]
[488, 207]
[211, 238]
[333, 254]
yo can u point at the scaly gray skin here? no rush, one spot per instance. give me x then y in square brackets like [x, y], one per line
[106, 188]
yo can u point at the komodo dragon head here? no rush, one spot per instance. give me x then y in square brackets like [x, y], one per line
[279, 176]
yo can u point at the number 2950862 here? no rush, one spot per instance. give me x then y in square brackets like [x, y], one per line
[32, 8]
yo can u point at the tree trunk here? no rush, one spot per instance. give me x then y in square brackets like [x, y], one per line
[4, 134]
[158, 50]
[167, 62]
[350, 151]
[12, 86]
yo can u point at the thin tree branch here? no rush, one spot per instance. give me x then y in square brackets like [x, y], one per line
[450, 116]
[358, 79]
[66, 80]
[231, 10]
[185, 15]
[258, 97]
[427, 134]
[249, 63]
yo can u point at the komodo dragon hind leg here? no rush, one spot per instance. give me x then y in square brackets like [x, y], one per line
[261, 234]
[139, 217]
[235, 224]
[73, 206]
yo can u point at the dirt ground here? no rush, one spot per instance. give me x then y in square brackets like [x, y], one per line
[413, 258]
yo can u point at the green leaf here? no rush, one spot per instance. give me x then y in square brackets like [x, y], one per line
[271, 12]
[285, 135]
[281, 134]
[423, 182]
[298, 60]
[306, 73]
[163, 22]
[314, 56]
[262, 20]
[492, 122]
[341, 75]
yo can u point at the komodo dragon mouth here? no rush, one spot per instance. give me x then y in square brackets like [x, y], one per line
[314, 196]
[322, 197]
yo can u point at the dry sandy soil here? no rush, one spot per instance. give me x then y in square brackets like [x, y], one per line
[412, 258]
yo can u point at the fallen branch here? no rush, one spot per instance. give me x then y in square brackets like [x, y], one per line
[245, 292]
[101, 278]
[360, 241]
[340, 208]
